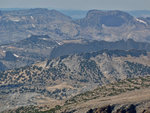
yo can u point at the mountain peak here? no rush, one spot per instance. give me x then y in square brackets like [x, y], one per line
[112, 18]
[56, 13]
[39, 9]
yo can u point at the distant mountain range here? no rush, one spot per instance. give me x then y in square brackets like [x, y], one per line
[96, 25]
[78, 14]
[140, 13]
[20, 24]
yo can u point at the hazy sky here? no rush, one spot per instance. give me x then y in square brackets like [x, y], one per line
[78, 4]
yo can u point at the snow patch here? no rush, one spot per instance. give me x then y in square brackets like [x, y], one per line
[32, 17]
[29, 35]
[44, 39]
[59, 43]
[141, 21]
[33, 25]
[14, 19]
[24, 18]
[16, 55]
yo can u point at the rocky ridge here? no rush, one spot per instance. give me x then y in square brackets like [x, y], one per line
[85, 46]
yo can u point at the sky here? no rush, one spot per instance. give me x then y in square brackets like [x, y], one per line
[78, 4]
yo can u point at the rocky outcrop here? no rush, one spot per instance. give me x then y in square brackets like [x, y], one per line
[146, 111]
[105, 109]
[130, 109]
[108, 109]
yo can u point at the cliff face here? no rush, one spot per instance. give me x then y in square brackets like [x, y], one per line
[112, 25]
[92, 46]
[96, 18]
